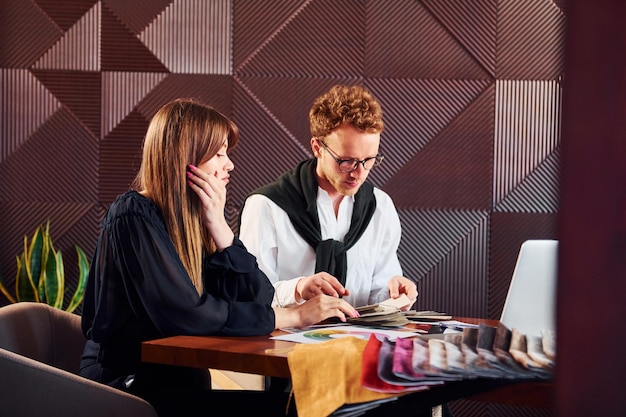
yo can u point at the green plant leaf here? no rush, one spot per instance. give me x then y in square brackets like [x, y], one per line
[50, 282]
[5, 291]
[83, 268]
[24, 288]
[36, 255]
[45, 250]
[40, 273]
[60, 274]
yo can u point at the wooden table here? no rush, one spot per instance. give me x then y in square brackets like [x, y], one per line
[264, 356]
[253, 355]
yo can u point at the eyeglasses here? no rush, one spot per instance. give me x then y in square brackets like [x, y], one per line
[349, 165]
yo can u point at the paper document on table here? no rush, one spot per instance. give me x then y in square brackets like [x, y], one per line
[329, 333]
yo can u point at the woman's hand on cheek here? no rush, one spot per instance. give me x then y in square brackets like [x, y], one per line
[212, 193]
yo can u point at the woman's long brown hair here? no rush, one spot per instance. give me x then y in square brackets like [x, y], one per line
[182, 132]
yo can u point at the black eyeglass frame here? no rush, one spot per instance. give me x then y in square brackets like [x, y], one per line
[378, 159]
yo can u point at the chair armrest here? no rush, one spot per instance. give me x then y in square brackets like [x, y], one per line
[32, 388]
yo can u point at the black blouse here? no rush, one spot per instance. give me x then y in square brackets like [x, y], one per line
[138, 289]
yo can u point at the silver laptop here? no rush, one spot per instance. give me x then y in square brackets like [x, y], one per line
[530, 304]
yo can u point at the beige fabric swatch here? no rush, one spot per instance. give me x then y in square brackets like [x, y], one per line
[327, 375]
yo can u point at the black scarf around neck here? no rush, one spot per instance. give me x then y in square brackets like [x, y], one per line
[295, 192]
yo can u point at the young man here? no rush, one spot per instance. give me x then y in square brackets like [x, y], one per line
[321, 228]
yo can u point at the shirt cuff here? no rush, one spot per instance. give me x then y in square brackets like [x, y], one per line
[285, 295]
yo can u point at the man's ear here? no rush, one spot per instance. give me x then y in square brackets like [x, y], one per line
[316, 147]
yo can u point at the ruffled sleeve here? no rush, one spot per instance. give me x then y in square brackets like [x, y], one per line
[141, 286]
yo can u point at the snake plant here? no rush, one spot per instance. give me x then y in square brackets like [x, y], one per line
[40, 274]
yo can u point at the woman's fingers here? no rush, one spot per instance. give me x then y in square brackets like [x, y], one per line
[337, 307]
[210, 189]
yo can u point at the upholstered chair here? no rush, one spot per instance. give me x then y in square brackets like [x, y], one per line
[40, 349]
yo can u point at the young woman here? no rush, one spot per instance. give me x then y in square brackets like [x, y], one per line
[167, 263]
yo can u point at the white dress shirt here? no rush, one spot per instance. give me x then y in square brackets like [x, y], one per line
[285, 257]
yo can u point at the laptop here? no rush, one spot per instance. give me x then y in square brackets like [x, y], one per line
[530, 304]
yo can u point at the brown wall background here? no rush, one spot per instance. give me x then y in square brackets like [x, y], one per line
[471, 91]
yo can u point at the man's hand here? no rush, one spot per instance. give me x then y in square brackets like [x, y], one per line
[401, 285]
[315, 310]
[320, 283]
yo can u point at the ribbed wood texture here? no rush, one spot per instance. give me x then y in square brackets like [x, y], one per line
[471, 91]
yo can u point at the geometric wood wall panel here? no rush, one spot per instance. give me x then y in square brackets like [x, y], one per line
[538, 192]
[209, 88]
[321, 39]
[65, 14]
[446, 252]
[121, 92]
[527, 130]
[79, 48]
[406, 39]
[530, 40]
[454, 167]
[251, 32]
[135, 18]
[416, 111]
[68, 176]
[78, 91]
[203, 46]
[121, 49]
[473, 24]
[25, 104]
[21, 45]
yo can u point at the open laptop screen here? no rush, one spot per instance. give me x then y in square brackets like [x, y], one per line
[530, 304]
